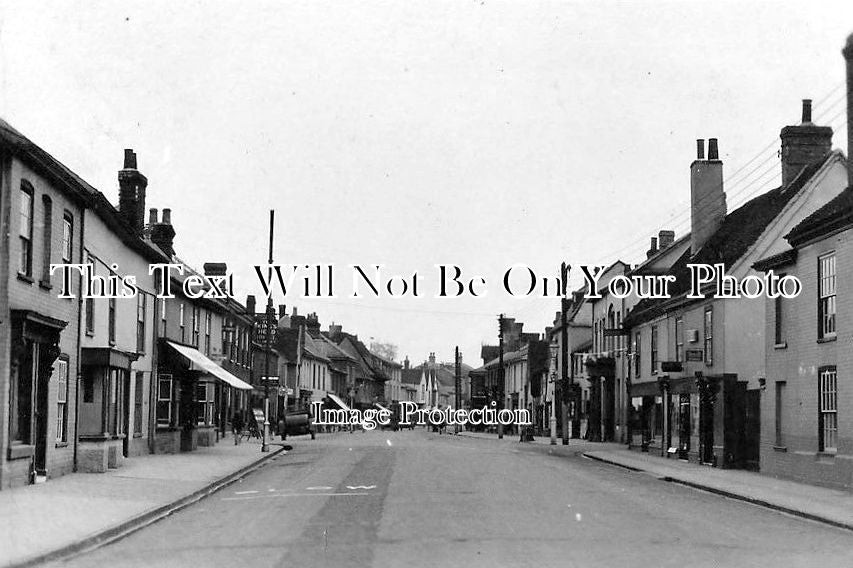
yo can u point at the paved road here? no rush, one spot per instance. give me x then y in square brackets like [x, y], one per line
[412, 499]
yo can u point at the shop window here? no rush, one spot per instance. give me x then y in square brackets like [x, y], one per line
[164, 400]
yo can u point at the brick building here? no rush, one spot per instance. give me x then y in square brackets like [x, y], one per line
[700, 361]
[806, 423]
[41, 208]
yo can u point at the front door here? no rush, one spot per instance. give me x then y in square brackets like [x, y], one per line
[188, 414]
[42, 377]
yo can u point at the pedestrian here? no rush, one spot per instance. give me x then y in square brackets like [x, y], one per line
[237, 426]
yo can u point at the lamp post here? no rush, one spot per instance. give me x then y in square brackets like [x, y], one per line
[269, 319]
[554, 408]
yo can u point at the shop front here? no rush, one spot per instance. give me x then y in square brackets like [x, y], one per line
[694, 418]
[188, 408]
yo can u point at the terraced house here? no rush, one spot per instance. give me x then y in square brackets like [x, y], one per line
[41, 212]
[700, 362]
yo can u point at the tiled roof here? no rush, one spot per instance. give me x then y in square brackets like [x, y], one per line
[835, 215]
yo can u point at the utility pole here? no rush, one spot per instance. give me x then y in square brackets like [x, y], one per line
[500, 385]
[266, 433]
[564, 353]
[458, 377]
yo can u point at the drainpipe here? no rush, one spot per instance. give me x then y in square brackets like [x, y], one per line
[79, 378]
[153, 381]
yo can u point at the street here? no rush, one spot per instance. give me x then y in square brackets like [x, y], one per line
[421, 499]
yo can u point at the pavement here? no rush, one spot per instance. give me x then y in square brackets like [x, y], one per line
[81, 511]
[822, 504]
[420, 499]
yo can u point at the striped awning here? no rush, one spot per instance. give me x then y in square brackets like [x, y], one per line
[337, 400]
[208, 366]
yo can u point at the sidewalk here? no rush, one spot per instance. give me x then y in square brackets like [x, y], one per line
[78, 511]
[830, 506]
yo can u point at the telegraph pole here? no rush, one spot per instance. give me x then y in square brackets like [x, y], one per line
[266, 433]
[564, 353]
[500, 385]
[458, 377]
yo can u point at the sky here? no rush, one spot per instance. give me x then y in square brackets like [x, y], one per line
[481, 134]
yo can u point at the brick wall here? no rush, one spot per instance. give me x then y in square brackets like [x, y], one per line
[797, 364]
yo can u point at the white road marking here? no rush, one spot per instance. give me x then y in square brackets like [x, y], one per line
[319, 488]
[361, 487]
[253, 497]
[389, 442]
[578, 517]
[243, 492]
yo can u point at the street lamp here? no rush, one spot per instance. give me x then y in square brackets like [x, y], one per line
[554, 409]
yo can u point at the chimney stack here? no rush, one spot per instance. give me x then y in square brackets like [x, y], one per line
[131, 193]
[803, 144]
[250, 305]
[665, 239]
[406, 363]
[848, 56]
[653, 248]
[163, 234]
[282, 310]
[707, 198]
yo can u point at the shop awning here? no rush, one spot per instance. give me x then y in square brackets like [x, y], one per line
[208, 366]
[380, 407]
[338, 401]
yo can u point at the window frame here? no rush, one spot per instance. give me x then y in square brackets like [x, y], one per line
[111, 321]
[67, 237]
[25, 259]
[679, 338]
[827, 296]
[708, 334]
[62, 400]
[638, 365]
[827, 407]
[653, 358]
[141, 309]
[47, 240]
[167, 402]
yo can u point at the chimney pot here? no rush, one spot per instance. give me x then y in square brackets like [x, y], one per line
[700, 149]
[250, 304]
[713, 154]
[129, 159]
[215, 268]
[807, 111]
[152, 216]
[167, 216]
